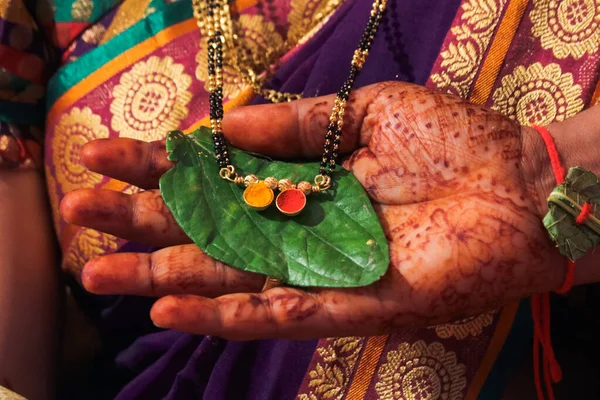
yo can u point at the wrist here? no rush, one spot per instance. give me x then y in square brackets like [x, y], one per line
[536, 168]
[577, 141]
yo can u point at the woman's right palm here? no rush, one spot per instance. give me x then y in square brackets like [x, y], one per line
[445, 178]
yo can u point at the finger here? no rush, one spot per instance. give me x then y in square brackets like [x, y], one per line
[173, 270]
[277, 313]
[298, 128]
[133, 161]
[141, 217]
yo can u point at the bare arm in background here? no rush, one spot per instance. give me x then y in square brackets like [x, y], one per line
[29, 287]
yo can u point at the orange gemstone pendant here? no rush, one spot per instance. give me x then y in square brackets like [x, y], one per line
[258, 196]
[291, 202]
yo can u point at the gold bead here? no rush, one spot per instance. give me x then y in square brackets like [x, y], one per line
[271, 182]
[285, 184]
[305, 187]
[250, 180]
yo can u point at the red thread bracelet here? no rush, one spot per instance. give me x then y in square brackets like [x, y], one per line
[559, 175]
[540, 304]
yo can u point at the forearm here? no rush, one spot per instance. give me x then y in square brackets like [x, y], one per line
[578, 144]
[29, 288]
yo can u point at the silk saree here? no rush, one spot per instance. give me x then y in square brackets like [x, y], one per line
[135, 69]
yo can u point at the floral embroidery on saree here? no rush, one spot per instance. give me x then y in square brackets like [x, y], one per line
[71, 133]
[461, 59]
[538, 95]
[85, 245]
[329, 379]
[82, 10]
[151, 99]
[567, 28]
[421, 371]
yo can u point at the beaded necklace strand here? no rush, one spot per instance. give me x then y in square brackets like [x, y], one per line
[214, 16]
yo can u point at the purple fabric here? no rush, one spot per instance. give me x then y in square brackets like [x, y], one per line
[175, 365]
[404, 49]
[195, 367]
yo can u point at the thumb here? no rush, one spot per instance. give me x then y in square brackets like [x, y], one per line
[298, 128]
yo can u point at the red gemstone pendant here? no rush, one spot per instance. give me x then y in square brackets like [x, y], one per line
[291, 202]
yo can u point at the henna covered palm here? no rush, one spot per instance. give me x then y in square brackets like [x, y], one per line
[446, 179]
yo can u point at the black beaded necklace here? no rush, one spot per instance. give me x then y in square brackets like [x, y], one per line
[259, 194]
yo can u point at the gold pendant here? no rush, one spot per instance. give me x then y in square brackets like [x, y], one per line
[258, 196]
[291, 202]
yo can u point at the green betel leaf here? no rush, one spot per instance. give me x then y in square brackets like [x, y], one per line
[565, 204]
[582, 186]
[573, 241]
[337, 240]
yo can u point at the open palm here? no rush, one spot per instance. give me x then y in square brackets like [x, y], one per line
[445, 178]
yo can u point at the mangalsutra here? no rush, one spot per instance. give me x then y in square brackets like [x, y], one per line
[214, 17]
